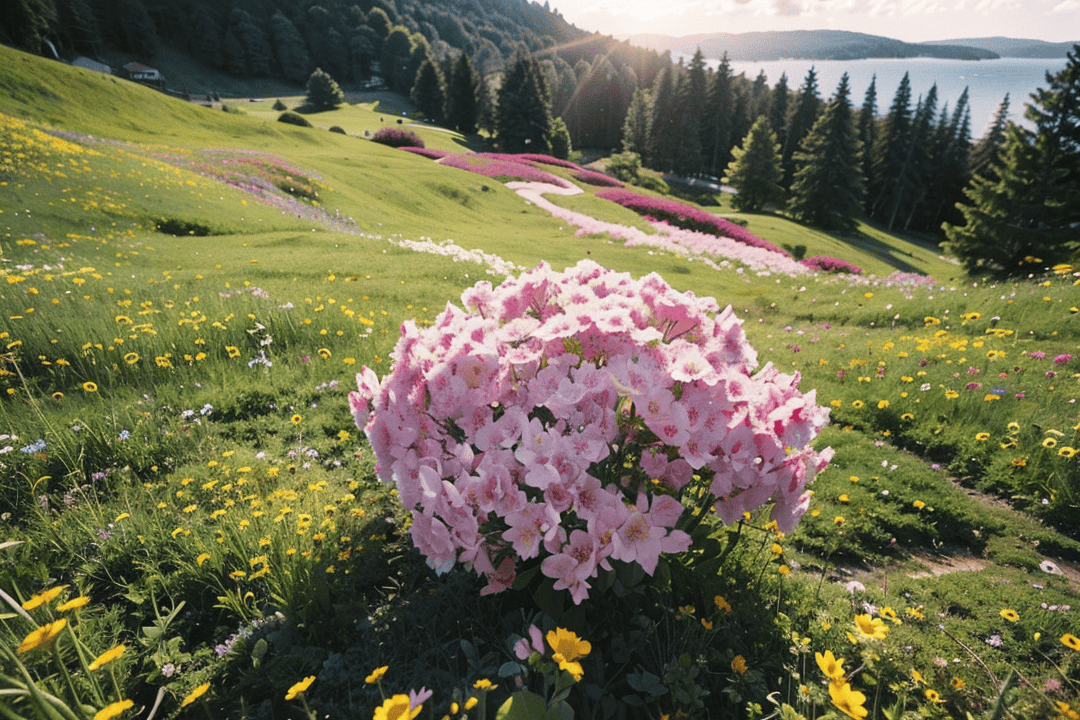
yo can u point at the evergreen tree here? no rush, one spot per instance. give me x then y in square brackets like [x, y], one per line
[364, 47]
[25, 23]
[379, 22]
[292, 56]
[755, 171]
[257, 54]
[799, 122]
[596, 112]
[461, 106]
[486, 106]
[663, 134]
[778, 109]
[949, 174]
[987, 153]
[206, 37]
[759, 96]
[323, 92]
[78, 27]
[891, 170]
[429, 90]
[523, 119]
[920, 162]
[868, 131]
[828, 186]
[560, 139]
[637, 124]
[396, 51]
[1029, 214]
[717, 139]
[137, 33]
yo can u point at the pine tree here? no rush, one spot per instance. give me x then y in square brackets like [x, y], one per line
[799, 123]
[560, 139]
[461, 105]
[429, 90]
[755, 171]
[292, 56]
[920, 162]
[891, 172]
[689, 93]
[949, 174]
[987, 153]
[663, 135]
[717, 138]
[868, 131]
[778, 109]
[25, 23]
[486, 106]
[323, 92]
[396, 49]
[137, 32]
[1028, 216]
[828, 186]
[78, 27]
[257, 54]
[523, 119]
[637, 124]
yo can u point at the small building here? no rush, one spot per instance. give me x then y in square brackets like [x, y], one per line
[141, 73]
[87, 64]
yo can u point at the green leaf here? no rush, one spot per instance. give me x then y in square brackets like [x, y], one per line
[560, 711]
[523, 705]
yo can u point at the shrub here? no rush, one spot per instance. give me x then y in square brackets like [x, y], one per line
[337, 129]
[652, 182]
[686, 217]
[509, 450]
[625, 166]
[824, 263]
[426, 152]
[397, 138]
[293, 119]
[280, 106]
[323, 92]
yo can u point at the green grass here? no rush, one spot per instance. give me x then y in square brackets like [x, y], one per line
[172, 447]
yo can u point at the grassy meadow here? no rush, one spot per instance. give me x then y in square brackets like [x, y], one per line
[190, 522]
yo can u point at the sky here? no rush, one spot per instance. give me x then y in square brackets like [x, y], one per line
[908, 20]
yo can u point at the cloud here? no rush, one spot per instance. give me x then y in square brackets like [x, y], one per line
[787, 8]
[1066, 5]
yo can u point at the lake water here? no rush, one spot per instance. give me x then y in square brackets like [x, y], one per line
[987, 81]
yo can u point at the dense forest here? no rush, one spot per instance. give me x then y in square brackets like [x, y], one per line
[518, 71]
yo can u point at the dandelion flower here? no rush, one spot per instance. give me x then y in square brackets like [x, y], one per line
[1071, 641]
[739, 665]
[1067, 452]
[376, 675]
[857, 404]
[889, 614]
[131, 358]
[483, 684]
[43, 598]
[919, 504]
[958, 683]
[296, 419]
[302, 686]
[44, 636]
[195, 694]
[324, 353]
[1049, 442]
[1010, 615]
[113, 710]
[106, 657]
[721, 603]
[568, 644]
[73, 603]
[203, 557]
[90, 387]
[838, 520]
[982, 437]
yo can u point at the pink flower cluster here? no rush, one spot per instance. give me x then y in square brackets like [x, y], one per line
[503, 168]
[687, 217]
[825, 263]
[573, 417]
[431, 153]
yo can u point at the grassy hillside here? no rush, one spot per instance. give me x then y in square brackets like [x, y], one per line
[188, 294]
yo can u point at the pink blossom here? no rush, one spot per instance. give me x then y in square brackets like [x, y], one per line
[507, 426]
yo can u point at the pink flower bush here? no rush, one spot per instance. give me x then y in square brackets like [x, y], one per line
[824, 263]
[687, 217]
[426, 152]
[573, 418]
[397, 137]
[498, 167]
